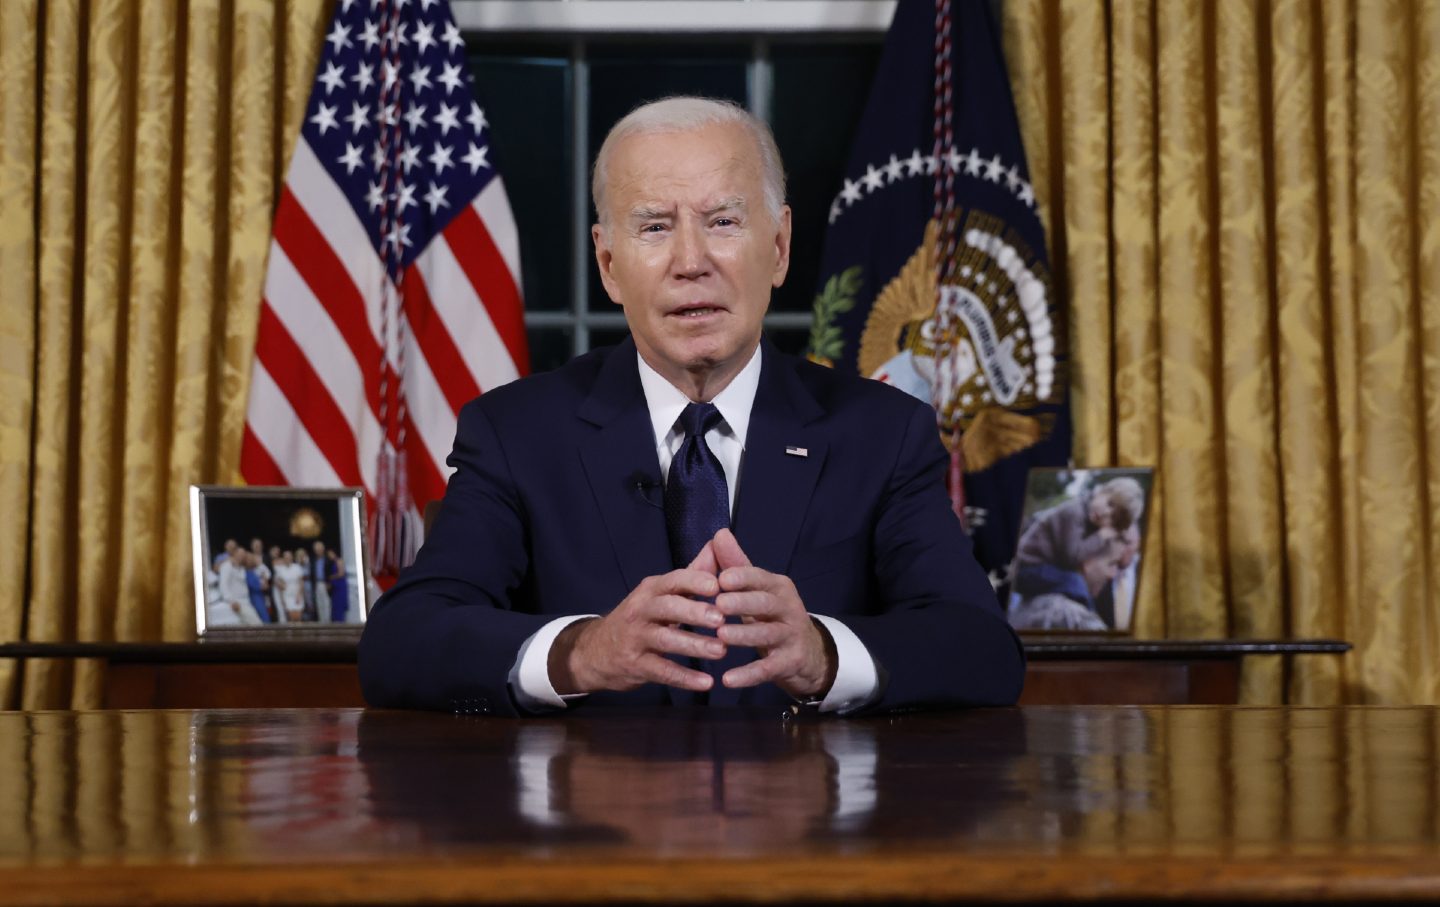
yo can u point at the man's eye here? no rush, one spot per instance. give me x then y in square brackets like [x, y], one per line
[652, 228]
[725, 221]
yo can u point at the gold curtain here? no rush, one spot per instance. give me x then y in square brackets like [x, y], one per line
[1242, 202]
[142, 146]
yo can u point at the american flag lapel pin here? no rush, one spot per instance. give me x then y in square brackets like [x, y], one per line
[794, 451]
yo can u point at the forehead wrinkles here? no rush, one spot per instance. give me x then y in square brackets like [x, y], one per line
[643, 210]
[643, 179]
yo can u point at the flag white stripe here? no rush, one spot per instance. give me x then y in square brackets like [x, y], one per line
[276, 426]
[459, 308]
[314, 332]
[494, 209]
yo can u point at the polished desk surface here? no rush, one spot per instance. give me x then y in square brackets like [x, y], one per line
[354, 806]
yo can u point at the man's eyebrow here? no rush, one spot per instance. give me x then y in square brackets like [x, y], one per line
[647, 213]
[734, 203]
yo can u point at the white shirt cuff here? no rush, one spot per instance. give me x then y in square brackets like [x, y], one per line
[857, 682]
[530, 675]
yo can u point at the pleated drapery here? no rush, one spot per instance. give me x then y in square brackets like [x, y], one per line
[1241, 198]
[141, 149]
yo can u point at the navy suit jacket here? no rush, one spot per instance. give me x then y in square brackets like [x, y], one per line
[555, 508]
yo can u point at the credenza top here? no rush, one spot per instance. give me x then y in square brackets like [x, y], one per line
[339, 648]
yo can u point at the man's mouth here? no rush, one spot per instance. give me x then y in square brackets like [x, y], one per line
[696, 311]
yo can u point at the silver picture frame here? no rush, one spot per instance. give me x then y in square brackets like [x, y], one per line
[248, 542]
[1080, 550]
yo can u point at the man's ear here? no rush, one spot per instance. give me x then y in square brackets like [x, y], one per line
[604, 258]
[782, 248]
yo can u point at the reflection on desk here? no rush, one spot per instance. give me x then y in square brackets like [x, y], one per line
[760, 784]
[312, 806]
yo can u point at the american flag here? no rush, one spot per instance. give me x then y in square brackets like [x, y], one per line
[392, 294]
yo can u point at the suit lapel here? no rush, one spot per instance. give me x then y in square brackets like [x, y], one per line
[618, 455]
[784, 454]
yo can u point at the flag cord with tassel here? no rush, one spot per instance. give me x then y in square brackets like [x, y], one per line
[394, 537]
[943, 388]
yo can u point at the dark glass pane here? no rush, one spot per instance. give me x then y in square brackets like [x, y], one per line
[549, 348]
[607, 336]
[623, 77]
[789, 340]
[814, 139]
[527, 101]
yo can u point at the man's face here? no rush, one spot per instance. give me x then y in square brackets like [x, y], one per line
[1101, 569]
[1099, 510]
[692, 253]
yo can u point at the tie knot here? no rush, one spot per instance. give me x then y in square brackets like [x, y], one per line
[698, 418]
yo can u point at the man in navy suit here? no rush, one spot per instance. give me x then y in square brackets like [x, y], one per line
[551, 578]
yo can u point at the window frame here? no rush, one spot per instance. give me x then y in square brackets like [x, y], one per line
[582, 24]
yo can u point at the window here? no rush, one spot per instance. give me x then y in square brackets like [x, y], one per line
[554, 76]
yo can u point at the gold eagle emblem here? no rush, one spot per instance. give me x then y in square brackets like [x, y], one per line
[978, 348]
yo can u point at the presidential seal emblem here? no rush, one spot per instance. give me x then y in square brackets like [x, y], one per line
[306, 523]
[979, 344]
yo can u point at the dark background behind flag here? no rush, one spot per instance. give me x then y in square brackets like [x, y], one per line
[878, 220]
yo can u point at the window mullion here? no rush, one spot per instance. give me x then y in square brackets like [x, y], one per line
[579, 197]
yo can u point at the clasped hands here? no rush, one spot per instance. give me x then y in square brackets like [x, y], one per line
[628, 647]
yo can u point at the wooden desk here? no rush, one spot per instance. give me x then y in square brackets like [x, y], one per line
[1063, 670]
[1200, 804]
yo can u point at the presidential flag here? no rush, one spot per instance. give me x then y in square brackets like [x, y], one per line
[392, 294]
[934, 276]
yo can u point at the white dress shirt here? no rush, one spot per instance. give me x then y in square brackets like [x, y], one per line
[233, 587]
[857, 682]
[1122, 592]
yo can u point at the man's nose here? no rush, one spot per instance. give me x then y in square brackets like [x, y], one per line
[692, 253]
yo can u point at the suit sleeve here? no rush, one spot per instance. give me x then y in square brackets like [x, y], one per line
[938, 634]
[446, 635]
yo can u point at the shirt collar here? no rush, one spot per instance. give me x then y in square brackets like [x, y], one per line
[666, 401]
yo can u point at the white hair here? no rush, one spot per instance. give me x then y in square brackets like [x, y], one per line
[685, 113]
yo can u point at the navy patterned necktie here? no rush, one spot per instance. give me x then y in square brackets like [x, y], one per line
[697, 500]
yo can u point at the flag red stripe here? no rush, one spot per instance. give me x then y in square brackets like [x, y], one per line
[256, 464]
[308, 395]
[325, 275]
[482, 262]
[446, 363]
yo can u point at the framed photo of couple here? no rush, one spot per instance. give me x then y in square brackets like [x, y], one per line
[1082, 538]
[277, 561]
